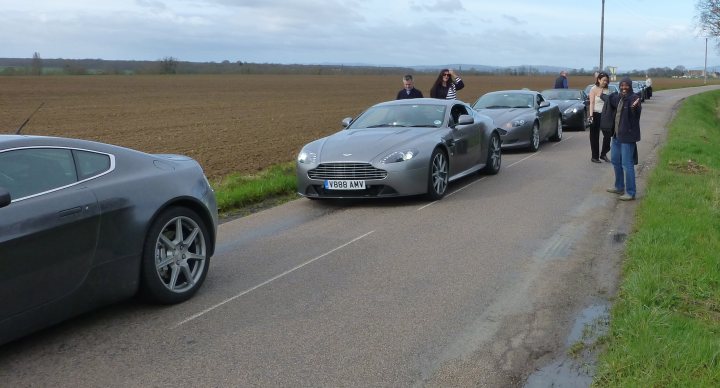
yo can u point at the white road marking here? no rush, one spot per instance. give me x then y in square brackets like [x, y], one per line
[524, 159]
[207, 310]
[563, 139]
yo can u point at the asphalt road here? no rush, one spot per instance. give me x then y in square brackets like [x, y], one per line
[480, 288]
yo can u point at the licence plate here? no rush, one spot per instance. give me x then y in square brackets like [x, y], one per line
[344, 185]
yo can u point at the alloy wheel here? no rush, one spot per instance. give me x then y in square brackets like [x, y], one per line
[180, 254]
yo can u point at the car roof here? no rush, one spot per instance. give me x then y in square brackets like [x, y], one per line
[32, 140]
[518, 91]
[569, 89]
[421, 101]
[18, 141]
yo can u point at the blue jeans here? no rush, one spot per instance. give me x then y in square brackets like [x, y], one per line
[622, 158]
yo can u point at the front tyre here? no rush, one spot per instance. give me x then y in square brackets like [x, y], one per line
[534, 138]
[492, 166]
[557, 136]
[175, 257]
[437, 175]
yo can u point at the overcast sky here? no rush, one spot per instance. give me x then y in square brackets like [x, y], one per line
[639, 34]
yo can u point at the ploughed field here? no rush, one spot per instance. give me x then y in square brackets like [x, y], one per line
[229, 123]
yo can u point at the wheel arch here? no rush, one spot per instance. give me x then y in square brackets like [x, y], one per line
[194, 205]
[444, 148]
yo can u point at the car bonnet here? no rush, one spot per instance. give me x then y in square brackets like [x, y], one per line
[363, 145]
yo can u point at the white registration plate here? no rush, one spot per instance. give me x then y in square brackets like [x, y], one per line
[344, 185]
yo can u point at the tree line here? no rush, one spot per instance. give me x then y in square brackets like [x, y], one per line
[171, 65]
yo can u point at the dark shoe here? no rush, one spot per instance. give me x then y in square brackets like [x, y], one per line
[595, 160]
[626, 197]
[605, 158]
[615, 191]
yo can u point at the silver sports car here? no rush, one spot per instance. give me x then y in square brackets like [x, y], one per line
[524, 115]
[397, 148]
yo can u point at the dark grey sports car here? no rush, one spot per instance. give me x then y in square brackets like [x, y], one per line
[524, 115]
[573, 105]
[398, 148]
[84, 224]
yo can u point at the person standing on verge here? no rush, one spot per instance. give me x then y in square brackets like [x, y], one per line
[648, 85]
[561, 82]
[446, 85]
[408, 90]
[625, 118]
[596, 108]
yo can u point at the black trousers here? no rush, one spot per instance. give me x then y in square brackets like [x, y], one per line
[595, 149]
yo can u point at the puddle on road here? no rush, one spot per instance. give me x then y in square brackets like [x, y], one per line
[576, 367]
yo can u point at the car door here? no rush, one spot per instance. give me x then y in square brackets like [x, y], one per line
[466, 141]
[547, 123]
[48, 233]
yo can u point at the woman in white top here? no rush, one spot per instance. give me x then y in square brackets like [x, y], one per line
[596, 107]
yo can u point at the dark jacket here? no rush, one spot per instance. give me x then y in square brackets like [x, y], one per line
[414, 93]
[629, 131]
[439, 91]
[561, 82]
[607, 116]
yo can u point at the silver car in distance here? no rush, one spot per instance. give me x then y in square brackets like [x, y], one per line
[524, 115]
[400, 148]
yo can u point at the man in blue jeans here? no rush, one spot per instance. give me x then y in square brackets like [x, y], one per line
[623, 147]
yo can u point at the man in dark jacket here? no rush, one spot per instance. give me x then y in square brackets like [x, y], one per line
[561, 81]
[408, 90]
[624, 117]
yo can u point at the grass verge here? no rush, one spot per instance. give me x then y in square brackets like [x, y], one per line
[665, 324]
[240, 195]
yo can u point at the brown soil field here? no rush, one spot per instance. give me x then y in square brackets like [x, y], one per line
[229, 123]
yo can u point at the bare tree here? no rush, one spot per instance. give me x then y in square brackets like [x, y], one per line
[168, 65]
[36, 64]
[708, 17]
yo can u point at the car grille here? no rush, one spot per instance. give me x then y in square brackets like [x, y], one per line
[347, 171]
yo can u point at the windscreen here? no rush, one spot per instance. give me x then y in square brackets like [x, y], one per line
[407, 115]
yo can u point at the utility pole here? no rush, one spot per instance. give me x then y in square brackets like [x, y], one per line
[602, 34]
[705, 68]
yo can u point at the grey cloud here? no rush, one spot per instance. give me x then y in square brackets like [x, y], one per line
[448, 6]
[152, 4]
[513, 19]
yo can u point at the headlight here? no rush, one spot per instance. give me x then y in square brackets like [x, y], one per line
[571, 110]
[400, 156]
[306, 157]
[517, 123]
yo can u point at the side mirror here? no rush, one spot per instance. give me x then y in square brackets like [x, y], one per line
[4, 197]
[465, 120]
[544, 104]
[346, 122]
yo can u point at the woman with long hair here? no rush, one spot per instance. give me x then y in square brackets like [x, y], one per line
[446, 85]
[596, 107]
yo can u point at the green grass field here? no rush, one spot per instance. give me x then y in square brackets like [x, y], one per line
[665, 324]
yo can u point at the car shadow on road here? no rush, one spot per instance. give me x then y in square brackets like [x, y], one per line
[97, 326]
